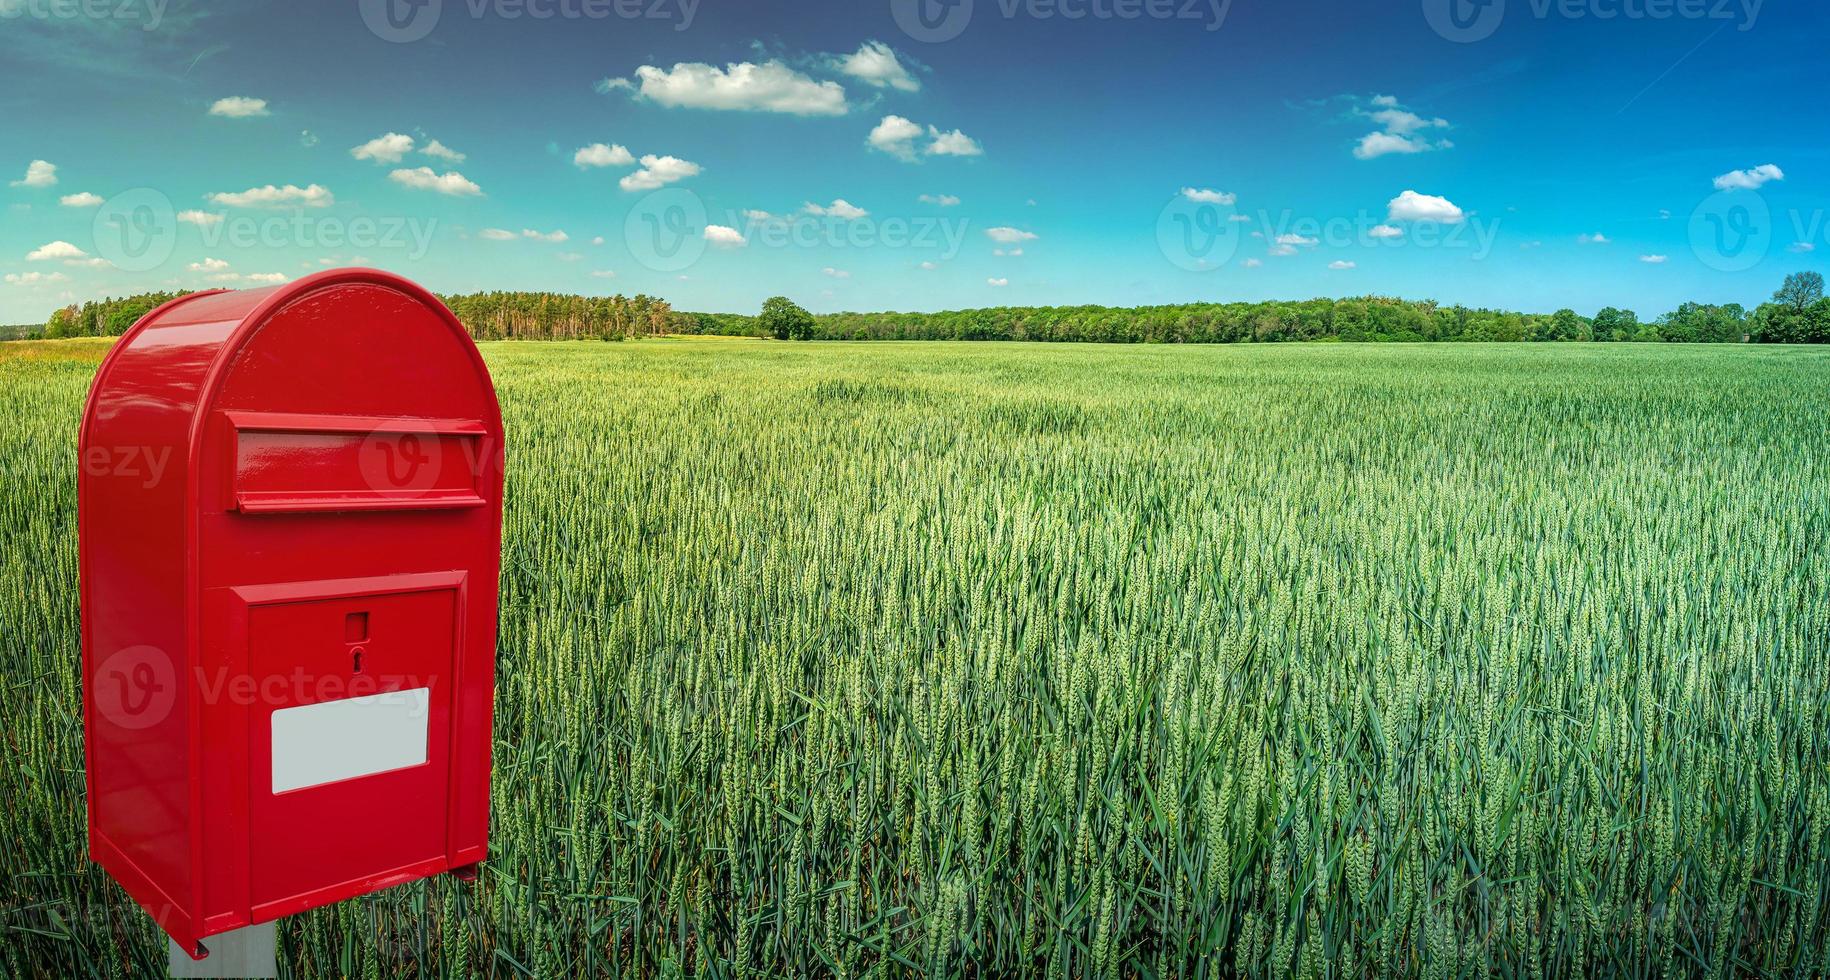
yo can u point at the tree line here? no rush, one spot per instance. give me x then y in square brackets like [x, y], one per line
[558, 316]
[1799, 313]
[488, 316]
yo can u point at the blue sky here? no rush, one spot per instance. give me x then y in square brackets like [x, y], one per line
[1582, 153]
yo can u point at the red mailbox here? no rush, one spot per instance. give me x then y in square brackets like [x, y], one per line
[290, 524]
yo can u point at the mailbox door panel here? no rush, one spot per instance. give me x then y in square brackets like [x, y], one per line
[349, 761]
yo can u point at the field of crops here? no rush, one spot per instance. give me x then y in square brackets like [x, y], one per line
[995, 660]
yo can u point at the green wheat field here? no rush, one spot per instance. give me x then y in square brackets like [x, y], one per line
[999, 660]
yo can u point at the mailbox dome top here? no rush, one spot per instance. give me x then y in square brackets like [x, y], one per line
[364, 337]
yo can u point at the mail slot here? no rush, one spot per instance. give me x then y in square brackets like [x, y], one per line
[290, 524]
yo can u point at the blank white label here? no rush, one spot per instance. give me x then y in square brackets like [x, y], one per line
[331, 741]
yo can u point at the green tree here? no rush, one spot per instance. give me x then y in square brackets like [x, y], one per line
[1800, 291]
[1614, 324]
[1566, 325]
[62, 323]
[1778, 323]
[782, 319]
[1700, 323]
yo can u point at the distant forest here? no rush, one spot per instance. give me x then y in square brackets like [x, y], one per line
[1798, 313]
[488, 316]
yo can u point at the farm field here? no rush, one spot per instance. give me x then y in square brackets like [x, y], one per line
[1001, 659]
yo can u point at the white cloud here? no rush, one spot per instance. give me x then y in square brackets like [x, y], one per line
[1801, 248]
[1005, 235]
[1412, 206]
[839, 208]
[1747, 180]
[1403, 122]
[55, 250]
[1293, 239]
[202, 219]
[1341, 264]
[603, 273]
[602, 155]
[442, 152]
[393, 147]
[768, 87]
[386, 148]
[599, 240]
[307, 138]
[1386, 231]
[1374, 145]
[266, 277]
[450, 183]
[34, 278]
[1654, 259]
[997, 282]
[1282, 250]
[497, 235]
[1400, 130]
[895, 136]
[757, 214]
[551, 236]
[942, 200]
[1253, 263]
[833, 273]
[89, 263]
[210, 265]
[82, 200]
[929, 266]
[39, 173]
[1596, 239]
[724, 236]
[569, 256]
[954, 144]
[876, 64]
[290, 196]
[1208, 196]
[1010, 253]
[658, 172]
[240, 107]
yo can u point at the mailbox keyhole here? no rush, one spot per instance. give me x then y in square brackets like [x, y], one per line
[356, 630]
